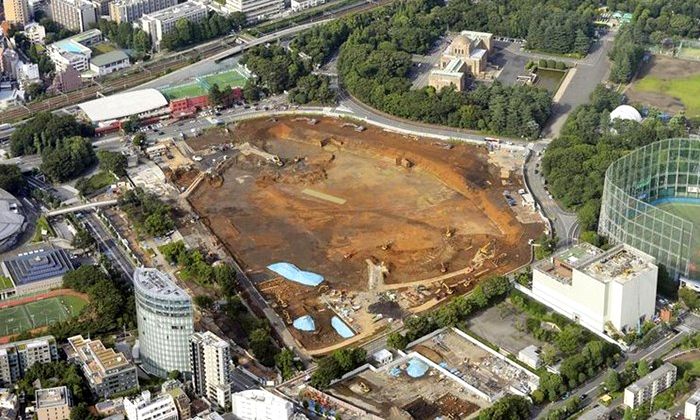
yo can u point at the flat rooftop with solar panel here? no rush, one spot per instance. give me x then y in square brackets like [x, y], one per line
[41, 268]
[444, 374]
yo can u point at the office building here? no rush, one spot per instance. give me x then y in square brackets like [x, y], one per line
[109, 62]
[18, 356]
[164, 316]
[162, 22]
[35, 33]
[211, 374]
[76, 15]
[692, 407]
[260, 404]
[256, 10]
[132, 10]
[611, 291]
[646, 388]
[145, 407]
[36, 270]
[107, 372]
[17, 12]
[468, 53]
[53, 403]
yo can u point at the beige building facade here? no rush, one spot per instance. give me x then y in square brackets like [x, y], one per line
[17, 12]
[467, 54]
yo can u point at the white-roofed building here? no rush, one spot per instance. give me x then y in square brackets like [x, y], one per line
[259, 404]
[625, 112]
[12, 221]
[141, 103]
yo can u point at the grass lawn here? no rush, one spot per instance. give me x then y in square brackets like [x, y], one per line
[36, 314]
[685, 89]
[5, 283]
[42, 225]
[101, 48]
[95, 182]
[189, 90]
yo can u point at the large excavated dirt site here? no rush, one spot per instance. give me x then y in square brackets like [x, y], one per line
[395, 224]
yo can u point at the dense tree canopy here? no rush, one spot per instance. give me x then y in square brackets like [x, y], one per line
[11, 178]
[510, 407]
[67, 159]
[337, 364]
[46, 130]
[114, 162]
[126, 35]
[147, 212]
[189, 33]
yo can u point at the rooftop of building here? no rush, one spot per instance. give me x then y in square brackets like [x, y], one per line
[695, 398]
[158, 284]
[68, 46]
[562, 263]
[52, 397]
[37, 265]
[43, 340]
[210, 339]
[122, 105]
[620, 264]
[11, 217]
[87, 36]
[174, 12]
[660, 372]
[478, 53]
[96, 358]
[108, 58]
[146, 399]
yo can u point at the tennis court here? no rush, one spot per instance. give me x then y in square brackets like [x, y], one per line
[201, 85]
[31, 315]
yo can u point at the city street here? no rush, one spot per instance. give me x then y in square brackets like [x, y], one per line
[108, 245]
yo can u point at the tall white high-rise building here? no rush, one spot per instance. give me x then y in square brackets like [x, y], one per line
[210, 356]
[76, 15]
[165, 323]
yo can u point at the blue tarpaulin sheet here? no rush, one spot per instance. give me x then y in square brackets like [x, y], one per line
[304, 323]
[293, 273]
[416, 368]
[341, 328]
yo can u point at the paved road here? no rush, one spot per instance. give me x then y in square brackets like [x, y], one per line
[109, 246]
[590, 72]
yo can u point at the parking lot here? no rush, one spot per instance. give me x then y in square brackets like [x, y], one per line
[503, 326]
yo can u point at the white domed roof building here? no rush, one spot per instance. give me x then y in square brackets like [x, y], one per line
[625, 112]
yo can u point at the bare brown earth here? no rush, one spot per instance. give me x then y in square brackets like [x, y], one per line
[390, 199]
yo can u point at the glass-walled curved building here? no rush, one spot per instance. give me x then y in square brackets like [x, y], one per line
[651, 201]
[165, 322]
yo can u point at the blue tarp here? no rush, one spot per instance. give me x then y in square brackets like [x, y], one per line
[416, 368]
[293, 273]
[304, 323]
[341, 328]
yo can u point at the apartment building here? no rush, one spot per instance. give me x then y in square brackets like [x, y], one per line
[53, 403]
[256, 10]
[145, 407]
[210, 356]
[646, 388]
[17, 12]
[107, 371]
[132, 10]
[162, 22]
[692, 407]
[17, 357]
[260, 404]
[35, 33]
[76, 15]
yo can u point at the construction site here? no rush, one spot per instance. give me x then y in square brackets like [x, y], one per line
[446, 374]
[346, 228]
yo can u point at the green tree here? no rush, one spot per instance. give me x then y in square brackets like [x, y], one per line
[130, 125]
[81, 412]
[262, 346]
[251, 91]
[83, 240]
[67, 159]
[396, 340]
[510, 407]
[114, 162]
[204, 301]
[11, 179]
[612, 381]
[285, 363]
[35, 90]
[174, 374]
[215, 96]
[689, 297]
[642, 368]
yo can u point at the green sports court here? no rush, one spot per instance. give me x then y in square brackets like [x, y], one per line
[16, 319]
[236, 77]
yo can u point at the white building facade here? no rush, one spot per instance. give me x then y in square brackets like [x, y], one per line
[646, 388]
[144, 407]
[256, 10]
[165, 322]
[210, 357]
[259, 404]
[692, 407]
[601, 290]
[162, 22]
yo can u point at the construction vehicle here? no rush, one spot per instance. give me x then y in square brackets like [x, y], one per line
[447, 288]
[386, 245]
[349, 254]
[443, 267]
[449, 232]
[363, 387]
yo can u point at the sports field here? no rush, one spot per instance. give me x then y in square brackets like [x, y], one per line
[201, 85]
[691, 213]
[685, 89]
[31, 315]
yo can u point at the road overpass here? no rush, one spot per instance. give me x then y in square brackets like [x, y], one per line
[81, 207]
